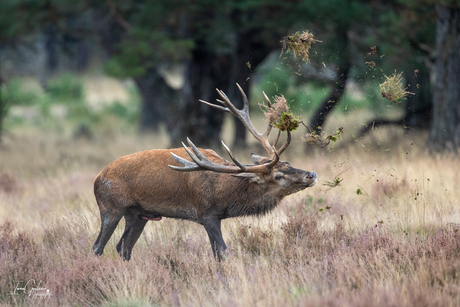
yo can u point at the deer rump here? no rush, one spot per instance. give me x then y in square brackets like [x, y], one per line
[192, 184]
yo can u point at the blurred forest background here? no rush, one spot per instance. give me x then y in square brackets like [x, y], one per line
[146, 64]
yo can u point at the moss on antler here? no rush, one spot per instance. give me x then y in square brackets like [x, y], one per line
[279, 114]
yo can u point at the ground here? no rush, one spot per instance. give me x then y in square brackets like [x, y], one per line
[386, 235]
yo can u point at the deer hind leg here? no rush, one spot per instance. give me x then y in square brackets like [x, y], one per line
[212, 226]
[109, 221]
[134, 225]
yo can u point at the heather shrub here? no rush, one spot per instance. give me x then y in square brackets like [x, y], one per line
[254, 240]
[349, 266]
[20, 258]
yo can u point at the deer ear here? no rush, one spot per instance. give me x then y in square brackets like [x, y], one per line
[250, 177]
[257, 160]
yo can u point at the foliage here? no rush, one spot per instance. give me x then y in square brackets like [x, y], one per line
[142, 49]
[19, 18]
[4, 108]
[12, 93]
[65, 88]
[172, 31]
[123, 111]
[64, 106]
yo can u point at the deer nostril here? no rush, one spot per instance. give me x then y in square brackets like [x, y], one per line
[312, 175]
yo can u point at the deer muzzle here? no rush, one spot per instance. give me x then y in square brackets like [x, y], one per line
[311, 177]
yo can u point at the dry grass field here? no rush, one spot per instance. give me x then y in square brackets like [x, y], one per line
[387, 235]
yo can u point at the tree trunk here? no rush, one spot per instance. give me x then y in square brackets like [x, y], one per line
[445, 127]
[204, 72]
[157, 96]
[153, 89]
[3, 109]
[419, 106]
[328, 104]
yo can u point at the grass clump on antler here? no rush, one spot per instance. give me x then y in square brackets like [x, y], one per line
[279, 114]
[392, 88]
[299, 44]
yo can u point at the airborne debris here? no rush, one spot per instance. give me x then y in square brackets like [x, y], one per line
[334, 183]
[373, 49]
[371, 63]
[299, 44]
[392, 88]
[248, 64]
[318, 139]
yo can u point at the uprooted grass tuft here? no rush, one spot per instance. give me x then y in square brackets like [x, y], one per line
[299, 44]
[321, 139]
[392, 89]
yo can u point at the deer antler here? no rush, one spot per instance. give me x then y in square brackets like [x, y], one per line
[243, 116]
[201, 162]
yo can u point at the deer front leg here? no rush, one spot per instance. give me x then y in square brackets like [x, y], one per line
[212, 226]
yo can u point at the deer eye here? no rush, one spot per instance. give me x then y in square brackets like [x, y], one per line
[278, 177]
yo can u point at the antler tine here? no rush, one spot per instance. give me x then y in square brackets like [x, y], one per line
[191, 154]
[230, 153]
[215, 105]
[269, 103]
[204, 163]
[245, 99]
[269, 128]
[286, 144]
[226, 102]
[277, 139]
[277, 157]
[196, 151]
[188, 166]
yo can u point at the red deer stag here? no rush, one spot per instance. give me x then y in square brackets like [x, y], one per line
[193, 184]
